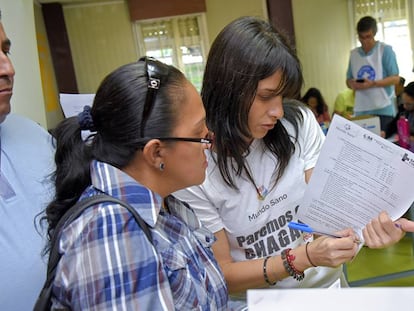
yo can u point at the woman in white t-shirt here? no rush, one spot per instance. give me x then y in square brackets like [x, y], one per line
[263, 154]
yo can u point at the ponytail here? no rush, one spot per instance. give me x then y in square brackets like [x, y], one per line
[72, 173]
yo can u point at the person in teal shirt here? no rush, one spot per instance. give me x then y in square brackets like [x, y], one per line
[372, 73]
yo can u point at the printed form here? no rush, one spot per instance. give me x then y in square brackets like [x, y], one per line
[72, 104]
[358, 175]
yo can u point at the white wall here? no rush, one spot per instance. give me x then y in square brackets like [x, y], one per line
[323, 40]
[18, 22]
[220, 13]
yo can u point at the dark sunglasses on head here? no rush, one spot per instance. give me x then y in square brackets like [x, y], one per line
[157, 73]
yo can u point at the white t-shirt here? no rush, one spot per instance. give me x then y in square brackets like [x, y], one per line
[258, 228]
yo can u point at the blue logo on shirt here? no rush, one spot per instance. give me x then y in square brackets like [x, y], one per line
[366, 72]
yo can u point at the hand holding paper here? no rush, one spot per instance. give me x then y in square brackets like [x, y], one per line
[358, 175]
[382, 232]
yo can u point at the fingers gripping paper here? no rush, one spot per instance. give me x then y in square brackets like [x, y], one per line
[358, 175]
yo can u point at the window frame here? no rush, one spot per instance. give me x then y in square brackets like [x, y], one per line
[177, 57]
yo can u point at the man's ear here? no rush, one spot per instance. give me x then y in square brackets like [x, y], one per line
[153, 153]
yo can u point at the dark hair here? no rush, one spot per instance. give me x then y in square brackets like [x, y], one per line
[116, 113]
[246, 51]
[409, 89]
[367, 23]
[315, 93]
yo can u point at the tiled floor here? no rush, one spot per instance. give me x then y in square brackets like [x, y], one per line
[373, 263]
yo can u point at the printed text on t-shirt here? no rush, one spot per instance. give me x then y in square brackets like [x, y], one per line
[269, 239]
[265, 207]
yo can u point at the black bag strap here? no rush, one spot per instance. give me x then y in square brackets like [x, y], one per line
[74, 213]
[44, 300]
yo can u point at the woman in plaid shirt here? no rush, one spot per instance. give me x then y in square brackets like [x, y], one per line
[148, 140]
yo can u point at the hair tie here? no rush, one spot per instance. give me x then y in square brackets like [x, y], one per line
[85, 119]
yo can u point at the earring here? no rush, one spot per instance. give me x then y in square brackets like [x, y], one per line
[162, 166]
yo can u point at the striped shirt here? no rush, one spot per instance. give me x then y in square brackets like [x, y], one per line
[109, 264]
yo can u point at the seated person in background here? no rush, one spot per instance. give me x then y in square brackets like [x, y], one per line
[314, 99]
[407, 109]
[344, 103]
[149, 140]
[399, 89]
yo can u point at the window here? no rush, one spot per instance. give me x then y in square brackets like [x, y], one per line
[393, 20]
[179, 41]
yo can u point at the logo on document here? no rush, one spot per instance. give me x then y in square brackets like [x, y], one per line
[408, 160]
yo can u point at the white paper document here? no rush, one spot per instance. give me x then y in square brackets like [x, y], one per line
[321, 299]
[358, 175]
[72, 104]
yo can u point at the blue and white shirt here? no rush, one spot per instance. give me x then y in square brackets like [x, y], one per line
[27, 162]
[109, 264]
[380, 62]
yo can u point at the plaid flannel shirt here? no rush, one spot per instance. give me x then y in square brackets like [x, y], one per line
[109, 264]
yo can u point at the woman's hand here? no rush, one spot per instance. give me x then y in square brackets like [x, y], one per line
[405, 224]
[332, 252]
[382, 232]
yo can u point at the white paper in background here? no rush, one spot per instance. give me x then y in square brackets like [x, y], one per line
[358, 175]
[322, 299]
[72, 104]
[371, 124]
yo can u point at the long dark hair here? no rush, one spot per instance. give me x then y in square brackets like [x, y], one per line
[321, 107]
[246, 51]
[116, 113]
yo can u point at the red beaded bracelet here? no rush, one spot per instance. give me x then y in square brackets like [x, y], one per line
[290, 268]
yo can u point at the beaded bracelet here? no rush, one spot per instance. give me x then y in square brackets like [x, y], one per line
[307, 254]
[288, 259]
[266, 277]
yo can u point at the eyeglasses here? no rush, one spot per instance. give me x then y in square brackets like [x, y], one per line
[156, 72]
[207, 141]
[365, 37]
